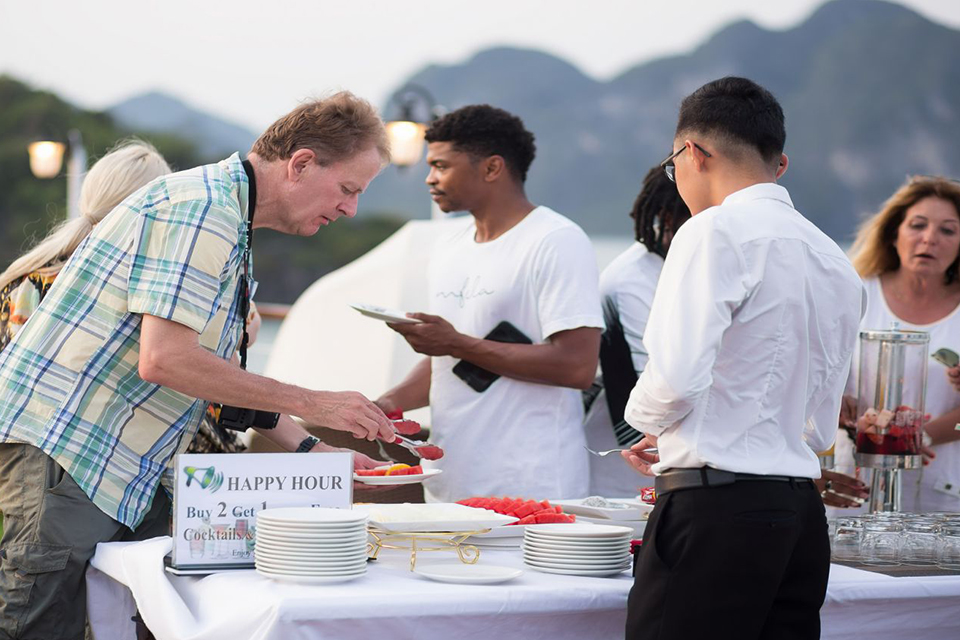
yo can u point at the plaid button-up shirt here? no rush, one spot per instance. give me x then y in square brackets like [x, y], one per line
[69, 381]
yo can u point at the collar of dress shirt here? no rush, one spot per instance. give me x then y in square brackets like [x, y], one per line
[759, 191]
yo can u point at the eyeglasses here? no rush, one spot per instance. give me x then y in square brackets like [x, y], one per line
[670, 169]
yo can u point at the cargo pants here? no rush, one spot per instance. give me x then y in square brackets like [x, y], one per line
[51, 530]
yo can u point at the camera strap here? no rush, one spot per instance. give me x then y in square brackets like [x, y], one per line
[239, 418]
[244, 289]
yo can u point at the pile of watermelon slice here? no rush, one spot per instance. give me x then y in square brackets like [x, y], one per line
[529, 511]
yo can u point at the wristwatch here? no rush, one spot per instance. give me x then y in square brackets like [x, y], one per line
[308, 443]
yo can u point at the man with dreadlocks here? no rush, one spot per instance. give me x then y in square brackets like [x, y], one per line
[627, 286]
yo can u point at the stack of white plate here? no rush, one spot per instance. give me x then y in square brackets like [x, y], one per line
[312, 546]
[577, 549]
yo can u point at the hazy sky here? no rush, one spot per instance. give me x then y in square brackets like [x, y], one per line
[252, 60]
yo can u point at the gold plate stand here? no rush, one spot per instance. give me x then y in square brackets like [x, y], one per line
[417, 541]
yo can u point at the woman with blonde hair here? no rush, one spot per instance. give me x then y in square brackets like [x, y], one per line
[908, 255]
[129, 166]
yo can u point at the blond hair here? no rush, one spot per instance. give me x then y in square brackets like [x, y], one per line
[874, 251]
[129, 166]
[334, 128]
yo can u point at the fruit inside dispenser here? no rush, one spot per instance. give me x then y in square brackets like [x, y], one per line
[891, 388]
[892, 384]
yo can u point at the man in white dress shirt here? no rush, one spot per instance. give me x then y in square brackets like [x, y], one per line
[750, 338]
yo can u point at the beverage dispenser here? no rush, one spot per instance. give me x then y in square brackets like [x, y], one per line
[891, 387]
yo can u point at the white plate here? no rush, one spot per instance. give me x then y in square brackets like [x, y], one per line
[578, 530]
[579, 543]
[284, 536]
[310, 528]
[285, 577]
[566, 538]
[580, 572]
[385, 314]
[580, 553]
[308, 547]
[311, 557]
[590, 563]
[298, 568]
[460, 573]
[438, 516]
[278, 566]
[310, 554]
[335, 571]
[305, 546]
[575, 555]
[408, 479]
[327, 538]
[317, 531]
[311, 515]
[637, 510]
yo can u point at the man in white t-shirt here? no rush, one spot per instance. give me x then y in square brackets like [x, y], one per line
[750, 339]
[507, 414]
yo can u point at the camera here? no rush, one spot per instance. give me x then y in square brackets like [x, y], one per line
[240, 419]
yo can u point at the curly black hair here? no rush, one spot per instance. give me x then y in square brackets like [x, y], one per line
[484, 131]
[657, 210]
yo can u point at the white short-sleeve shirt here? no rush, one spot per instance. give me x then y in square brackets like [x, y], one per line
[516, 438]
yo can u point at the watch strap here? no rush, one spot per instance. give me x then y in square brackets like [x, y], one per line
[307, 444]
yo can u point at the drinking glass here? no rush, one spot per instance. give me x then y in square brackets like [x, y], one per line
[881, 541]
[220, 544]
[846, 539]
[920, 542]
[949, 557]
[241, 531]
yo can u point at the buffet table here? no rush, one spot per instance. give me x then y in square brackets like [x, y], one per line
[391, 602]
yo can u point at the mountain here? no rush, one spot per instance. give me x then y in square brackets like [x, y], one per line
[214, 137]
[871, 92]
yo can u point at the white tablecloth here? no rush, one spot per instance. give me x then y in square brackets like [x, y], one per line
[391, 602]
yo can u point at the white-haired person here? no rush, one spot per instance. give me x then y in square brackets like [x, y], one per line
[126, 168]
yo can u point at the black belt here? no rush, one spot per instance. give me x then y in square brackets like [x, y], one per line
[677, 479]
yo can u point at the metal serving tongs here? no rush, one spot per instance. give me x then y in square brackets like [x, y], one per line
[419, 448]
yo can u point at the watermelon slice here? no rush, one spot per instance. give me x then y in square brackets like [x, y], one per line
[553, 518]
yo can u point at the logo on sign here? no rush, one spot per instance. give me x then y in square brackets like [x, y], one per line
[206, 477]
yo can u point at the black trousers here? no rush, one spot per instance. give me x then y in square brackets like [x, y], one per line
[744, 561]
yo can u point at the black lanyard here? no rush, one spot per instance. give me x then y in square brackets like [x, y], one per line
[244, 289]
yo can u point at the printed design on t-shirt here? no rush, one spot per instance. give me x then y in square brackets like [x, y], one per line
[468, 291]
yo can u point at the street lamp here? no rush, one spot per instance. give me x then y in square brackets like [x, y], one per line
[417, 110]
[406, 132]
[46, 158]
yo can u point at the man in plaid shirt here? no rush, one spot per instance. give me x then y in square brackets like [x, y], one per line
[111, 376]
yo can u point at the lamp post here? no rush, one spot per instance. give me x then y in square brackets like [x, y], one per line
[417, 108]
[46, 159]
